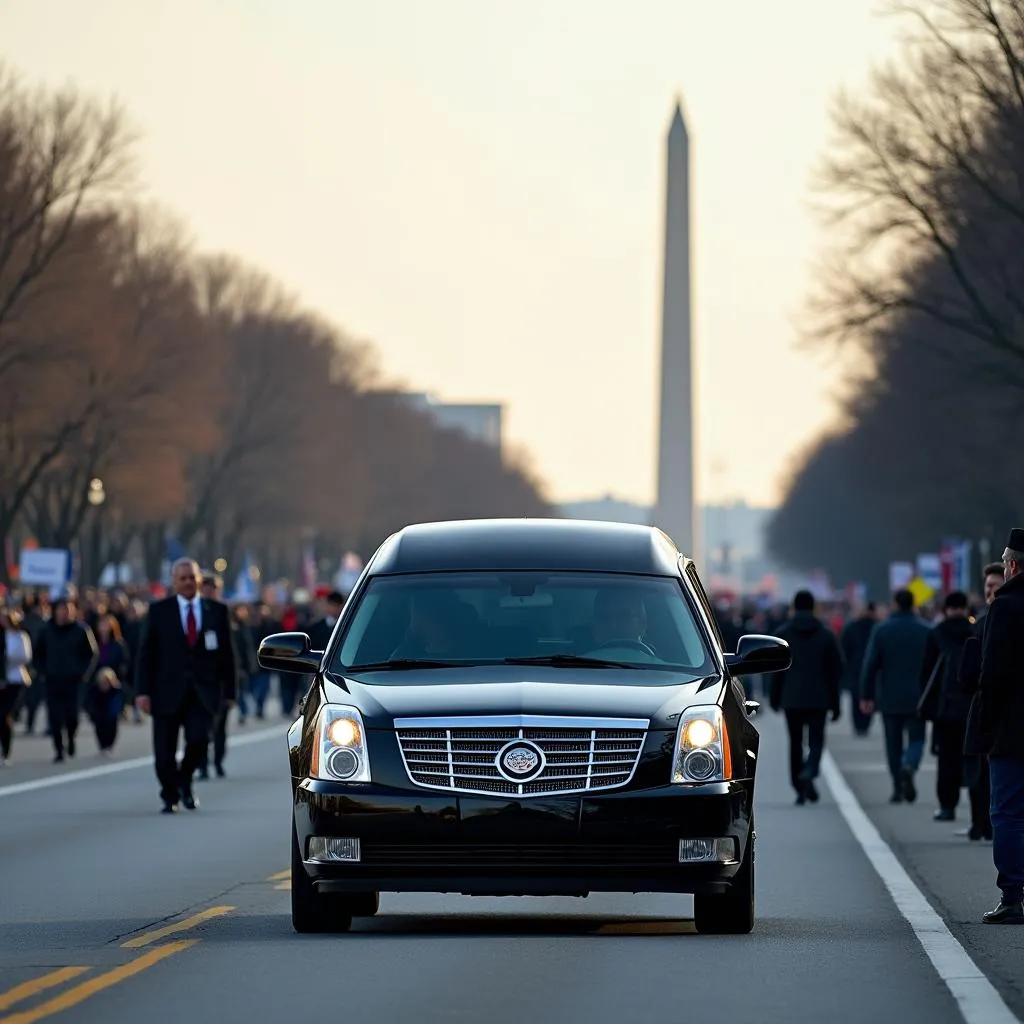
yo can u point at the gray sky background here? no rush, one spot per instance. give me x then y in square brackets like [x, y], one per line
[477, 185]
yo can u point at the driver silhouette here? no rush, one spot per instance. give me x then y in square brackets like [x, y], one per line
[618, 615]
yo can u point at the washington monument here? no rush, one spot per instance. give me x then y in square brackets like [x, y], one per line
[674, 510]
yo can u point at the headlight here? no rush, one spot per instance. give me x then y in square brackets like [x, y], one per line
[702, 747]
[339, 747]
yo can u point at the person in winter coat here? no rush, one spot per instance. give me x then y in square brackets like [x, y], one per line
[103, 702]
[807, 691]
[945, 701]
[890, 682]
[995, 727]
[854, 642]
[16, 648]
[65, 657]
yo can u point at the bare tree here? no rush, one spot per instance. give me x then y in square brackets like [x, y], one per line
[925, 170]
[64, 157]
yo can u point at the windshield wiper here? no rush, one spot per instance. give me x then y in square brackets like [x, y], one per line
[570, 660]
[400, 664]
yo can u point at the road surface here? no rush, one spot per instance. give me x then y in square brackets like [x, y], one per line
[110, 912]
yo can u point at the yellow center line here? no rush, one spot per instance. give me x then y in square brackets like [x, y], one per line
[173, 929]
[82, 991]
[280, 875]
[27, 989]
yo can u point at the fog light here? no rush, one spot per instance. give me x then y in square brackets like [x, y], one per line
[707, 851]
[699, 765]
[342, 763]
[334, 848]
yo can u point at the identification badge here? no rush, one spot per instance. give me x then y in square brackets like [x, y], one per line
[210, 638]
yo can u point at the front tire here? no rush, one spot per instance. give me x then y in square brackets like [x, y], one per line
[733, 912]
[313, 912]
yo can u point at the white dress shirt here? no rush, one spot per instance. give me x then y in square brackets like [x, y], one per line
[197, 611]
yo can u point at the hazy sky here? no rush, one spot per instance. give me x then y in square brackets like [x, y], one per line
[477, 186]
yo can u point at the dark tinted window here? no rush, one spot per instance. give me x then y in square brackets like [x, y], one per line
[478, 617]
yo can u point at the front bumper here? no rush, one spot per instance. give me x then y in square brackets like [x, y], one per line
[417, 840]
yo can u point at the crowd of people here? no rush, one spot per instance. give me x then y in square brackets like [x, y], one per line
[959, 667]
[75, 656]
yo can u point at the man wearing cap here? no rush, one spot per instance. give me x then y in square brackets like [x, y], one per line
[996, 728]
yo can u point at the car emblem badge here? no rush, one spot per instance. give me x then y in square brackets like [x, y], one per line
[520, 761]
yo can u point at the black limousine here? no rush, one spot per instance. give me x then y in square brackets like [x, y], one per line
[524, 707]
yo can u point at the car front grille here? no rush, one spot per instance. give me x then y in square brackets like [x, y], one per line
[573, 755]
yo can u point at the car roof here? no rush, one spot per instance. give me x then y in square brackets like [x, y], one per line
[536, 544]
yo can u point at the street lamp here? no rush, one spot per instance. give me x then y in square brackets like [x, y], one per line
[96, 495]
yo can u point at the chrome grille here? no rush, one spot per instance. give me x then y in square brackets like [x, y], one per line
[578, 755]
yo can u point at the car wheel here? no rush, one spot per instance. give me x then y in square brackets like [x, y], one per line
[313, 911]
[731, 913]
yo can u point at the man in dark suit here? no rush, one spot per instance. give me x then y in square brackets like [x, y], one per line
[996, 728]
[184, 674]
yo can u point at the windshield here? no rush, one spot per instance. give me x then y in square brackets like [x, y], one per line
[478, 618]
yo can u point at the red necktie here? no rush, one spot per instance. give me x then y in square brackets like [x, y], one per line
[190, 627]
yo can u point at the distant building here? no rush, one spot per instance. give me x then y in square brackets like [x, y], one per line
[480, 421]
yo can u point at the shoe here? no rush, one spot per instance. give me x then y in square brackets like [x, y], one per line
[220, 771]
[896, 798]
[977, 834]
[812, 791]
[58, 759]
[188, 800]
[1005, 913]
[71, 747]
[907, 785]
[203, 774]
[944, 814]
[169, 808]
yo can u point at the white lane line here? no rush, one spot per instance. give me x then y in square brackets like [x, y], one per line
[977, 998]
[123, 766]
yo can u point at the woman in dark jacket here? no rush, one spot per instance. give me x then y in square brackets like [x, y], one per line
[113, 651]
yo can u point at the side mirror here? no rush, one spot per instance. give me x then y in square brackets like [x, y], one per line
[756, 654]
[288, 652]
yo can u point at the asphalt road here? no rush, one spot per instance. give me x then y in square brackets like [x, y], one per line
[110, 912]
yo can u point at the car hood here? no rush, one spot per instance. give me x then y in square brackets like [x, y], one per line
[522, 690]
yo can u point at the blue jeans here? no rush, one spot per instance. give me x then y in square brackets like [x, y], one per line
[1007, 777]
[898, 756]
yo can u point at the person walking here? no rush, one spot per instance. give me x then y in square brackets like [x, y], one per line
[891, 683]
[16, 651]
[854, 643]
[807, 692]
[184, 674]
[212, 588]
[65, 657]
[996, 728]
[945, 701]
[976, 774]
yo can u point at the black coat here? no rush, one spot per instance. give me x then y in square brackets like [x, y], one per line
[811, 683]
[167, 667]
[854, 644]
[320, 634]
[996, 723]
[944, 695]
